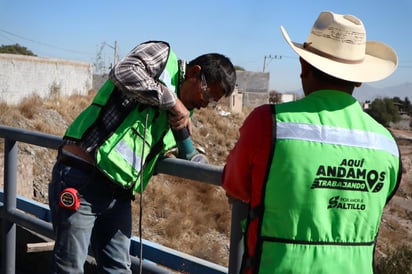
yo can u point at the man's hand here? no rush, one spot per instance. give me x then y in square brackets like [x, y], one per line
[179, 116]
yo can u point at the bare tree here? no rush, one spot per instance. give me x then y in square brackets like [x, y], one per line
[275, 97]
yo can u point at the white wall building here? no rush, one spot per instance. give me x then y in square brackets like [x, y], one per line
[22, 76]
[287, 97]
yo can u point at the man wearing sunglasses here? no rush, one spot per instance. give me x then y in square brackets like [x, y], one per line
[111, 148]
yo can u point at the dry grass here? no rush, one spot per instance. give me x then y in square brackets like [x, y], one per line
[185, 215]
[397, 261]
[189, 216]
[29, 106]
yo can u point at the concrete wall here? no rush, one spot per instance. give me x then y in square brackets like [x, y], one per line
[254, 86]
[22, 76]
[249, 81]
[254, 99]
[236, 102]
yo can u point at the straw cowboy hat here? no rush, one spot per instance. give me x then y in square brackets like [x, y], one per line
[337, 46]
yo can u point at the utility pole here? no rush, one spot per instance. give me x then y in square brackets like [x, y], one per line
[270, 58]
[115, 48]
[116, 56]
[100, 62]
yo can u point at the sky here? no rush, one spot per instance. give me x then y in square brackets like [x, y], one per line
[246, 31]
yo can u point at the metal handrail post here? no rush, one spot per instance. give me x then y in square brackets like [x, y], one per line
[9, 227]
[239, 212]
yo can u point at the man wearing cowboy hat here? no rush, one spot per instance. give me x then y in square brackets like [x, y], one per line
[317, 173]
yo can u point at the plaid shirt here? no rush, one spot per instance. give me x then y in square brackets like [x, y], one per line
[135, 78]
[137, 74]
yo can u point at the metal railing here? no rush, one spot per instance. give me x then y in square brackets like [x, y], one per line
[14, 211]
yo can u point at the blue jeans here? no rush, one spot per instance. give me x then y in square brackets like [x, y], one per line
[103, 220]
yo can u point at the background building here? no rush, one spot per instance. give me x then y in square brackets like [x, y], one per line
[22, 76]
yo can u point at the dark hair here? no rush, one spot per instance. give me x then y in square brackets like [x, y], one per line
[217, 68]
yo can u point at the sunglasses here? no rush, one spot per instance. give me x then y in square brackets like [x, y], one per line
[207, 96]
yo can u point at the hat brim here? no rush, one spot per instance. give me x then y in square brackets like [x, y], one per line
[380, 61]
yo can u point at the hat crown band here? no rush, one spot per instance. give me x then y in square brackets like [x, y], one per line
[309, 47]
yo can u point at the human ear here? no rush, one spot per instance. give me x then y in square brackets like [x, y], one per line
[193, 71]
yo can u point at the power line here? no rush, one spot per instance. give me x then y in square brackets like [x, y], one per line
[7, 38]
[43, 44]
[405, 64]
[270, 57]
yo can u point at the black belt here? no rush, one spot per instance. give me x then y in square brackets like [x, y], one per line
[75, 161]
[72, 160]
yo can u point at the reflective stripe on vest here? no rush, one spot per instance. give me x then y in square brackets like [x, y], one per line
[120, 156]
[129, 155]
[336, 135]
[167, 80]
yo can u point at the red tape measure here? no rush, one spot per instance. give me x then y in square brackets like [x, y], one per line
[69, 198]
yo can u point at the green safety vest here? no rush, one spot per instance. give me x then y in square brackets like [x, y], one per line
[333, 169]
[138, 140]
